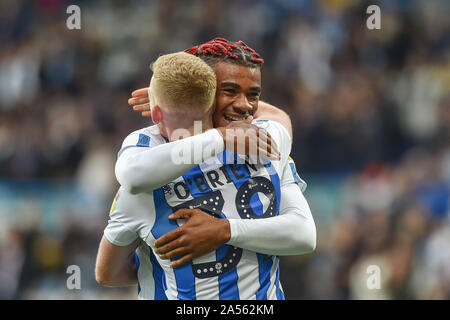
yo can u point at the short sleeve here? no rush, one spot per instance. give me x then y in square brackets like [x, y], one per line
[117, 231]
[290, 175]
[133, 140]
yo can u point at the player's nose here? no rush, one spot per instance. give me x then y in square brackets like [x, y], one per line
[241, 105]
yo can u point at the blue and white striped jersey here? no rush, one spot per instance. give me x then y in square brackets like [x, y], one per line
[219, 188]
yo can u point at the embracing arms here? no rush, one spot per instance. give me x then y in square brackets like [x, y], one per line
[293, 232]
[143, 168]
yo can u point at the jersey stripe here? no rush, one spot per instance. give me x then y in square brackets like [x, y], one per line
[183, 275]
[144, 272]
[160, 279]
[280, 294]
[275, 181]
[136, 260]
[237, 172]
[265, 262]
[196, 182]
[265, 265]
[256, 205]
[248, 275]
[207, 288]
[239, 175]
[228, 289]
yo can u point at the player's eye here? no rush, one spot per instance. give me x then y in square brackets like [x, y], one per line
[230, 91]
[253, 95]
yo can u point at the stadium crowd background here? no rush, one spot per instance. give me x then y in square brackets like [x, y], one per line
[371, 117]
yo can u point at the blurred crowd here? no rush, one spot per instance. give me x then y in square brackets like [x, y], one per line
[370, 110]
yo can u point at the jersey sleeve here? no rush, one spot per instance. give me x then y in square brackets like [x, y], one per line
[290, 175]
[129, 218]
[142, 166]
[137, 140]
[117, 231]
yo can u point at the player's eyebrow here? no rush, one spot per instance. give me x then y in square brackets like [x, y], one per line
[236, 86]
[230, 84]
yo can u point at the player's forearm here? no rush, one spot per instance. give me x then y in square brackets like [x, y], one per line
[123, 277]
[145, 169]
[290, 233]
[127, 275]
[115, 265]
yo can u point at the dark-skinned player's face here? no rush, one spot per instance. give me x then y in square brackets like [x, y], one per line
[238, 91]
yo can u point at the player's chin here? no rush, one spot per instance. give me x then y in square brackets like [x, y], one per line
[221, 121]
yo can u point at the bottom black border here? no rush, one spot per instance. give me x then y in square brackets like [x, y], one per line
[224, 309]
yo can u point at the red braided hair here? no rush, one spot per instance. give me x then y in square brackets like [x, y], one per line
[223, 49]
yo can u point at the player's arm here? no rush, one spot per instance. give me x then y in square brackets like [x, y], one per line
[115, 265]
[143, 168]
[140, 102]
[293, 232]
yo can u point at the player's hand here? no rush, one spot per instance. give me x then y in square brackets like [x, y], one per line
[248, 139]
[140, 102]
[200, 234]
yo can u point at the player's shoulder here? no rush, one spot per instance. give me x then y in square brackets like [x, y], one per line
[131, 204]
[271, 125]
[130, 214]
[144, 137]
[293, 176]
[277, 131]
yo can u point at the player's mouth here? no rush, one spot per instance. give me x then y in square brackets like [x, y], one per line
[235, 117]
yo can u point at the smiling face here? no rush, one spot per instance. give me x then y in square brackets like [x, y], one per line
[238, 91]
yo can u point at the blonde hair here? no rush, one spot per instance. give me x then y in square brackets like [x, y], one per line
[183, 83]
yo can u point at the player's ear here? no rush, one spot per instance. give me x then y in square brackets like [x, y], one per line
[157, 115]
